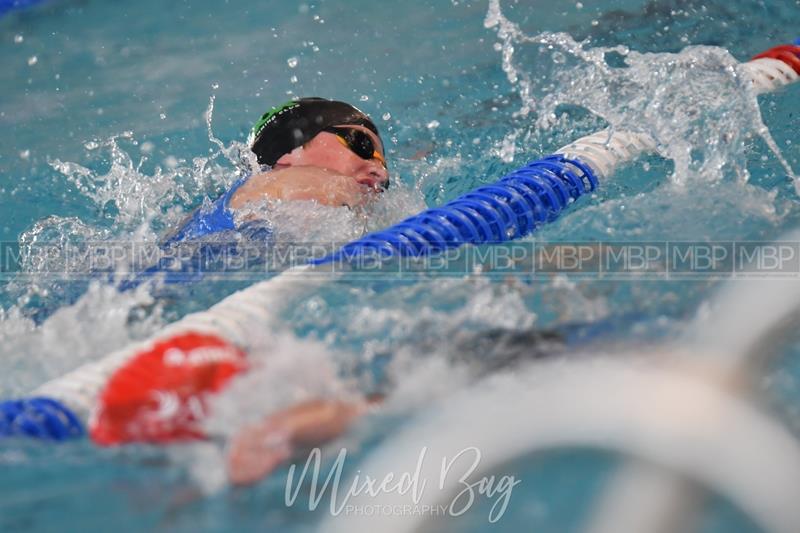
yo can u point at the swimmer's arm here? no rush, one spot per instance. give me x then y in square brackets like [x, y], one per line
[300, 183]
[260, 448]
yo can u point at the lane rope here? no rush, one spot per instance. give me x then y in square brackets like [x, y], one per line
[511, 208]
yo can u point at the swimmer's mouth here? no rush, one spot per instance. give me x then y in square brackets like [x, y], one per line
[374, 184]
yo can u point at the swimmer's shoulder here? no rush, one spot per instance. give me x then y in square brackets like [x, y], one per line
[255, 189]
[291, 183]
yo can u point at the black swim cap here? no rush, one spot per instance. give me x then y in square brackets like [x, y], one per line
[285, 127]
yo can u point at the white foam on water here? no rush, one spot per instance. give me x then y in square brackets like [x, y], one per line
[101, 321]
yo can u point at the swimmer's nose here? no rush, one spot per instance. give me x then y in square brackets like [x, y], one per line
[375, 176]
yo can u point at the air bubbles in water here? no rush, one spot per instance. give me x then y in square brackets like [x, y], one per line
[386, 116]
[18, 39]
[32, 60]
[292, 62]
[508, 147]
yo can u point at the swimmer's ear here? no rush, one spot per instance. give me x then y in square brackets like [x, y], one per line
[292, 158]
[285, 160]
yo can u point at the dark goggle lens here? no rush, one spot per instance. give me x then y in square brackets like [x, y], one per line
[360, 143]
[357, 141]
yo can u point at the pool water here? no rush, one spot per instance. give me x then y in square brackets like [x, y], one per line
[120, 118]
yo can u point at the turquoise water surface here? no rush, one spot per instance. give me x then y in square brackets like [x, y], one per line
[119, 118]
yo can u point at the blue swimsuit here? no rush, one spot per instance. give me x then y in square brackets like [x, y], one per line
[201, 223]
[205, 222]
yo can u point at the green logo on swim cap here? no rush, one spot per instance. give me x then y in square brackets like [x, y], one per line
[266, 117]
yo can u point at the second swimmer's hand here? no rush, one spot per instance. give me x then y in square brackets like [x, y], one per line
[260, 448]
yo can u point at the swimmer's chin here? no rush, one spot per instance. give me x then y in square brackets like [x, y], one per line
[368, 196]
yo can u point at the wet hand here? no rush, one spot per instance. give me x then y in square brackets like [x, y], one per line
[260, 448]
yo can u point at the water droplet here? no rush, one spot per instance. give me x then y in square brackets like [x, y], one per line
[162, 116]
[25, 154]
[386, 116]
[579, 5]
[292, 62]
[498, 47]
[293, 79]
[147, 147]
[18, 39]
[433, 124]
[363, 98]
[215, 86]
[32, 60]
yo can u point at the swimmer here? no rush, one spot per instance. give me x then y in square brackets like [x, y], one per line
[258, 449]
[312, 149]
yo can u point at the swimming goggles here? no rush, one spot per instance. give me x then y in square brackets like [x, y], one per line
[359, 142]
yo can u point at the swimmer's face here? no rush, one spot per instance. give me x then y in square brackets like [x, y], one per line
[327, 150]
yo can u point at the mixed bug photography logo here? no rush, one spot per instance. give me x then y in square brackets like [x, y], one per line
[457, 487]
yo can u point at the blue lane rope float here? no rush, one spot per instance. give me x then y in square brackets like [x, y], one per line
[514, 206]
[40, 418]
[7, 6]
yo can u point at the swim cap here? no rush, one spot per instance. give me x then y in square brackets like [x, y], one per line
[285, 127]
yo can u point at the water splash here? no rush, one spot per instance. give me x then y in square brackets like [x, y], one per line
[697, 104]
[32, 354]
[238, 154]
[127, 196]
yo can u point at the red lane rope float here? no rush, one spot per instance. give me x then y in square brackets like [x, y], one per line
[161, 394]
[788, 53]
